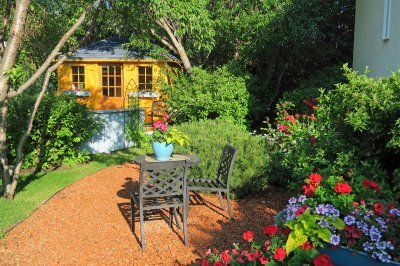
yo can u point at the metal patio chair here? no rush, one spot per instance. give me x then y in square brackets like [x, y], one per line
[220, 183]
[162, 185]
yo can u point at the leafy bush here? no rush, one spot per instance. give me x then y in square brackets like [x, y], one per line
[207, 139]
[310, 89]
[350, 131]
[60, 127]
[208, 95]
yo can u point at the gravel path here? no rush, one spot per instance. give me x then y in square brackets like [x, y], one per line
[88, 224]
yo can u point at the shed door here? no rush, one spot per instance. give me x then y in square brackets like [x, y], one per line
[111, 84]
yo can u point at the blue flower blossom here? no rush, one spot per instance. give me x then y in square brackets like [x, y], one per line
[349, 220]
[302, 198]
[368, 246]
[323, 223]
[334, 240]
[292, 201]
[395, 212]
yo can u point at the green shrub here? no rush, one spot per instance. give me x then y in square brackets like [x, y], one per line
[207, 139]
[310, 89]
[351, 132]
[208, 95]
[60, 128]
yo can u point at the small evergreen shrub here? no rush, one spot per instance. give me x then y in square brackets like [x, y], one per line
[208, 95]
[207, 139]
[60, 128]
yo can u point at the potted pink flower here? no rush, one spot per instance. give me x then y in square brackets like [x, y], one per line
[164, 138]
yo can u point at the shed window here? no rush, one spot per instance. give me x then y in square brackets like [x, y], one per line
[111, 80]
[78, 77]
[145, 78]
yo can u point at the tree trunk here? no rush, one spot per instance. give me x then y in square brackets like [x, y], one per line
[7, 62]
[177, 44]
[10, 186]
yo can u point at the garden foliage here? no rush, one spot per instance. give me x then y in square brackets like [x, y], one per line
[350, 131]
[208, 95]
[207, 139]
[60, 128]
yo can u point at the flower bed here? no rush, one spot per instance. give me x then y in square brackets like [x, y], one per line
[331, 212]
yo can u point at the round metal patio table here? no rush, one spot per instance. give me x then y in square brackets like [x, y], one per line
[191, 159]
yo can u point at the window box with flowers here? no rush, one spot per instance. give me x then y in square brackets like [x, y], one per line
[144, 94]
[76, 93]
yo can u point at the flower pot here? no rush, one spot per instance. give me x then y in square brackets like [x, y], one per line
[162, 150]
[342, 256]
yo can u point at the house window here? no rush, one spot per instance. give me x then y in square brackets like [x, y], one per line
[386, 20]
[111, 80]
[78, 77]
[145, 78]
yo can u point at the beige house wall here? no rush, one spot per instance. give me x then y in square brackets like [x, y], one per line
[381, 56]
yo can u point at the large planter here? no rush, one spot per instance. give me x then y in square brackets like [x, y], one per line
[342, 256]
[162, 150]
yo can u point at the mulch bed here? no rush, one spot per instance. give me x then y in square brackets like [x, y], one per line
[89, 223]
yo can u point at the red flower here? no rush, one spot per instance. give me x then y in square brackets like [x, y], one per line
[240, 260]
[280, 254]
[263, 260]
[251, 257]
[313, 140]
[371, 184]
[204, 262]
[323, 260]
[218, 263]
[225, 256]
[257, 253]
[352, 232]
[391, 206]
[315, 178]
[351, 242]
[307, 245]
[379, 209]
[301, 210]
[248, 236]
[283, 129]
[270, 230]
[309, 189]
[343, 188]
[297, 116]
[290, 118]
[284, 230]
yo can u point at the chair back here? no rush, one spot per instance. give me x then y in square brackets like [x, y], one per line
[162, 179]
[225, 164]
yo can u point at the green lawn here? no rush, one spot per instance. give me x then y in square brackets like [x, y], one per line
[34, 190]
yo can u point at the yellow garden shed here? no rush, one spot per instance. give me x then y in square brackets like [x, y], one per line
[106, 73]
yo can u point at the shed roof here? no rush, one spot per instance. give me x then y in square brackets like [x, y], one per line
[111, 48]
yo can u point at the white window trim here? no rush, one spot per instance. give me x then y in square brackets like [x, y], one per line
[386, 20]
